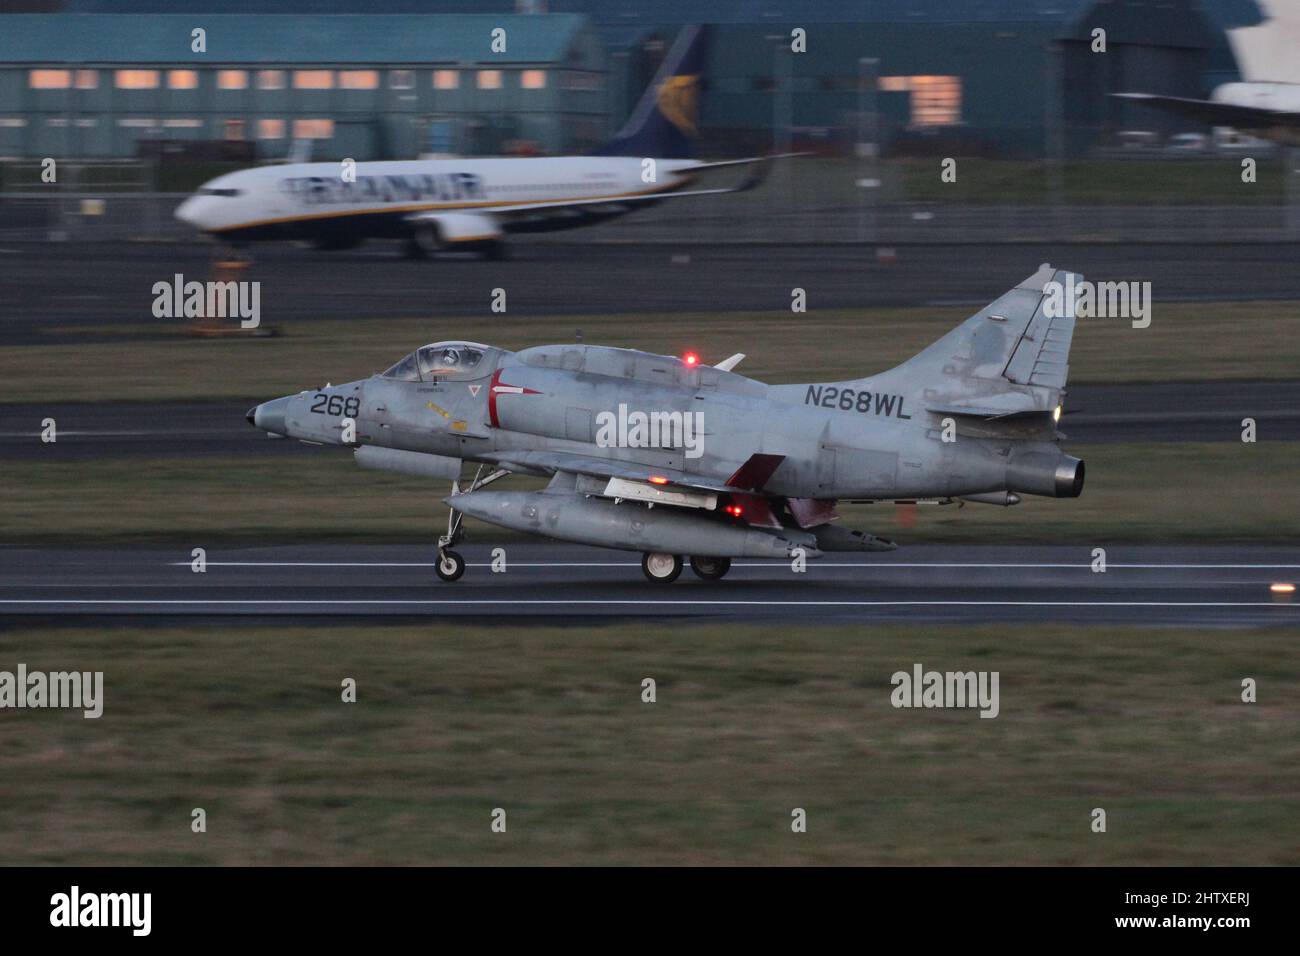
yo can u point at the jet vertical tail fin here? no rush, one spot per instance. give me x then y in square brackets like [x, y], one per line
[1011, 358]
[664, 124]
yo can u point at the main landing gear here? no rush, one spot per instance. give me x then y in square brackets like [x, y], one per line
[450, 564]
[664, 568]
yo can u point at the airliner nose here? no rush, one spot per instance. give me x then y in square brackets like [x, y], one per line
[185, 211]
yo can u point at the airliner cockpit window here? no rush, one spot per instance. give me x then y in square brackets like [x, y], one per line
[405, 371]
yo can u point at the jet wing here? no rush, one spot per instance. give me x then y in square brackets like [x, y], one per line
[751, 476]
[550, 462]
[1219, 114]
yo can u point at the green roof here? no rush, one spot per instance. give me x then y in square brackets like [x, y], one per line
[285, 38]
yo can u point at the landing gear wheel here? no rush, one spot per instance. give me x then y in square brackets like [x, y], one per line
[450, 566]
[661, 568]
[711, 569]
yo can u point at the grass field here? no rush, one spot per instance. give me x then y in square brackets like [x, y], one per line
[1186, 341]
[547, 723]
[1126, 182]
[1223, 491]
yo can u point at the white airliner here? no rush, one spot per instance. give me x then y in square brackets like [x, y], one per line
[435, 204]
[1267, 102]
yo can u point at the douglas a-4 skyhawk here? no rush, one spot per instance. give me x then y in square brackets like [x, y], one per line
[670, 457]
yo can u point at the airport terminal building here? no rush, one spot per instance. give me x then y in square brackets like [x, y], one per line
[361, 86]
[1007, 78]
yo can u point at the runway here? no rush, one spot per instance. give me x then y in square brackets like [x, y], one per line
[51, 288]
[553, 583]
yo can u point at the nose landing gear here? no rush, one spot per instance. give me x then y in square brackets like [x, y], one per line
[450, 564]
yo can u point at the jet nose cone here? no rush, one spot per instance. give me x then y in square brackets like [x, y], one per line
[269, 416]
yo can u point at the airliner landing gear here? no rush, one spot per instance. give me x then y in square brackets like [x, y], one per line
[451, 565]
[661, 568]
[710, 569]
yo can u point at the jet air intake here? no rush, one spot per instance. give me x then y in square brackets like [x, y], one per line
[1038, 473]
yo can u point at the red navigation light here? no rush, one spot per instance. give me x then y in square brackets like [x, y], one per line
[691, 359]
[658, 480]
[734, 510]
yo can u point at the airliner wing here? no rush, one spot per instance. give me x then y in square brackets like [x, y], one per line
[1222, 114]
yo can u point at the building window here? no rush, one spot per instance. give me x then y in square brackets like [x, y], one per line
[182, 124]
[489, 79]
[136, 79]
[401, 79]
[182, 79]
[446, 79]
[313, 79]
[233, 129]
[270, 129]
[270, 79]
[12, 122]
[232, 79]
[138, 123]
[49, 79]
[359, 79]
[533, 79]
[313, 129]
[88, 79]
[581, 80]
[935, 100]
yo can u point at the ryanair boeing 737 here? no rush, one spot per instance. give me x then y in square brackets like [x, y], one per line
[472, 203]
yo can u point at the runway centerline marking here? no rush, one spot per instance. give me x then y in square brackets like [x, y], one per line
[772, 564]
[434, 602]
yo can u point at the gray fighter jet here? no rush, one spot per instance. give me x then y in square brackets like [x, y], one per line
[670, 457]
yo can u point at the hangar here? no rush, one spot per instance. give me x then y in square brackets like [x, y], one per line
[361, 86]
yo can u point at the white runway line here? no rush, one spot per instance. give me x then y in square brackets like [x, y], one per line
[435, 602]
[748, 564]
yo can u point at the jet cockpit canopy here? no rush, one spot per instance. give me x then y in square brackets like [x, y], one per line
[443, 360]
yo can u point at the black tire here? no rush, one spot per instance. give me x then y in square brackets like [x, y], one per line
[711, 569]
[450, 566]
[660, 568]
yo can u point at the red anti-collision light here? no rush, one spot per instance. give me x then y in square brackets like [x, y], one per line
[690, 358]
[658, 480]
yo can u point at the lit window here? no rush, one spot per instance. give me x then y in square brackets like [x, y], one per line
[12, 122]
[49, 79]
[895, 84]
[234, 129]
[182, 79]
[232, 79]
[533, 79]
[88, 79]
[489, 79]
[270, 129]
[359, 79]
[182, 124]
[313, 129]
[136, 79]
[313, 80]
[446, 79]
[936, 100]
[270, 79]
[401, 79]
